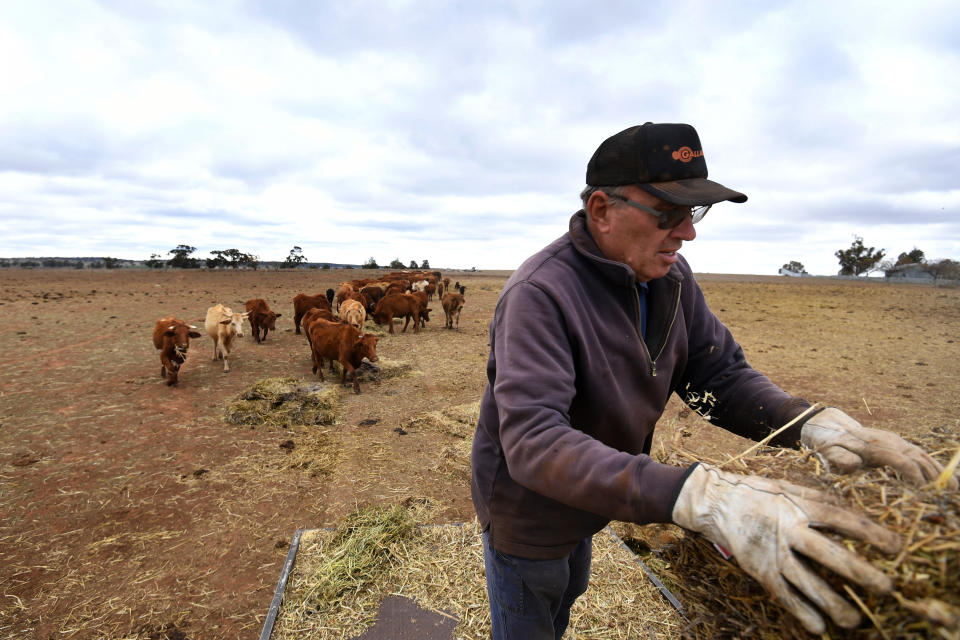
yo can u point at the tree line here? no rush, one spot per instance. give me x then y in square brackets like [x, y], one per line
[182, 258]
[859, 259]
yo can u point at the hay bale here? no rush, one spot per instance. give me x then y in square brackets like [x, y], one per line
[284, 401]
[723, 601]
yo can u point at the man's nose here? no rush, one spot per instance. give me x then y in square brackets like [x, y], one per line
[685, 230]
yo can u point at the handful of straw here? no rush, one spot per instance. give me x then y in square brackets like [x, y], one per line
[723, 601]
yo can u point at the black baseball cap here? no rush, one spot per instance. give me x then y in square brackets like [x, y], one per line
[665, 160]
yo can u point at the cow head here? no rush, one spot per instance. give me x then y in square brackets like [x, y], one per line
[425, 313]
[181, 334]
[236, 319]
[270, 320]
[367, 347]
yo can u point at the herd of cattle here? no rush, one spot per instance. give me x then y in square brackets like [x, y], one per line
[332, 322]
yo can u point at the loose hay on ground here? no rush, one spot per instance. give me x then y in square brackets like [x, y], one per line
[284, 401]
[382, 369]
[459, 422]
[725, 602]
[441, 567]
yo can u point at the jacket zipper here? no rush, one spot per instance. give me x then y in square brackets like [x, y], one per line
[673, 319]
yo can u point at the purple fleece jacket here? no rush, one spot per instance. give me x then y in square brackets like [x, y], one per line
[574, 393]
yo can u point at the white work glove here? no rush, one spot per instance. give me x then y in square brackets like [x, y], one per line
[847, 445]
[765, 523]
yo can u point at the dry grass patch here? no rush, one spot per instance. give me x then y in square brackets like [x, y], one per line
[441, 568]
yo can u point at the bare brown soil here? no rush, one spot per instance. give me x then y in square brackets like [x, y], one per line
[134, 510]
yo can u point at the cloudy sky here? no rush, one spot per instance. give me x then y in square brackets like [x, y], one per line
[459, 132]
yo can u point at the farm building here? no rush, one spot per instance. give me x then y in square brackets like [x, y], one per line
[914, 271]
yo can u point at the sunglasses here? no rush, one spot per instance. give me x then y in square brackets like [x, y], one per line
[670, 218]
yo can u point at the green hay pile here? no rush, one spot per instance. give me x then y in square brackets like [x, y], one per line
[356, 556]
[722, 601]
[284, 402]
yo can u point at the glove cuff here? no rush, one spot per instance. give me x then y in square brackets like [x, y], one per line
[789, 410]
[690, 503]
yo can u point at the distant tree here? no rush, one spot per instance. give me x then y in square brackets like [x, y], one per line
[425, 264]
[914, 257]
[233, 258]
[796, 267]
[78, 264]
[858, 259]
[155, 261]
[96, 265]
[396, 264]
[111, 263]
[945, 269]
[370, 264]
[413, 264]
[295, 258]
[181, 257]
[217, 261]
[325, 266]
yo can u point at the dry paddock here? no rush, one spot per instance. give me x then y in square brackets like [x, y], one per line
[133, 510]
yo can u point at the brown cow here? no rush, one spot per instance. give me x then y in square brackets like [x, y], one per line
[395, 288]
[373, 294]
[223, 325]
[398, 305]
[342, 293]
[452, 305]
[421, 297]
[341, 342]
[303, 303]
[313, 314]
[261, 318]
[171, 336]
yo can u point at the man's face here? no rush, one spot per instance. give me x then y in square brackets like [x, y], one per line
[631, 236]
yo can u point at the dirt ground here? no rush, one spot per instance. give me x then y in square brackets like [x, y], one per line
[134, 510]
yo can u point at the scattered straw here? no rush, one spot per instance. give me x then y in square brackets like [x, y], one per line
[441, 568]
[284, 401]
[382, 369]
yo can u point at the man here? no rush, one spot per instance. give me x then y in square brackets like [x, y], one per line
[589, 338]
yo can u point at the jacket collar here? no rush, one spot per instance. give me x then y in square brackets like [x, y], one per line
[617, 272]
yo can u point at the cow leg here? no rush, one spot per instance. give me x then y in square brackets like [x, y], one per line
[296, 322]
[391, 325]
[416, 321]
[216, 350]
[356, 383]
[226, 363]
[406, 323]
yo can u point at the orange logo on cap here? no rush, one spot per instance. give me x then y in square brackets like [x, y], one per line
[686, 154]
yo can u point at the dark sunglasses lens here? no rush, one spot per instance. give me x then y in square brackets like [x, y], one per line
[672, 218]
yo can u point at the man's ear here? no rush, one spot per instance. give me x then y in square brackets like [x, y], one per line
[598, 211]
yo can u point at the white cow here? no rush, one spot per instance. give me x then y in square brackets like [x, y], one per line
[223, 325]
[352, 312]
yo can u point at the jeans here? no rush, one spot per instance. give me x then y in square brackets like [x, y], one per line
[531, 599]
